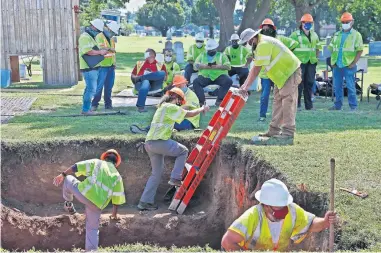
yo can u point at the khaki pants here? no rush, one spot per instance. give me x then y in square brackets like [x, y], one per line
[284, 106]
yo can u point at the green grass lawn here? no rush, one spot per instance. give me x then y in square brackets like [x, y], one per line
[353, 139]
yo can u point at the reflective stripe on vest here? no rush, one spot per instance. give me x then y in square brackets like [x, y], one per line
[336, 45]
[93, 180]
[140, 64]
[257, 232]
[302, 48]
[273, 62]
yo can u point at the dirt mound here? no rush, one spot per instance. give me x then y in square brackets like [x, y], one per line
[32, 214]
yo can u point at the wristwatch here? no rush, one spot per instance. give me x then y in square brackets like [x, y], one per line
[63, 174]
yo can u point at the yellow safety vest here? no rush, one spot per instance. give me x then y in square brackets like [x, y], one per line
[102, 184]
[238, 56]
[213, 74]
[278, 61]
[193, 103]
[255, 229]
[306, 51]
[352, 45]
[172, 69]
[109, 59]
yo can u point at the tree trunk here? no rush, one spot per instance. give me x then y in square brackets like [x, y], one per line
[211, 31]
[253, 16]
[317, 23]
[225, 10]
[302, 7]
[163, 31]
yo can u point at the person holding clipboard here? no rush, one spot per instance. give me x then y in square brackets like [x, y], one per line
[90, 56]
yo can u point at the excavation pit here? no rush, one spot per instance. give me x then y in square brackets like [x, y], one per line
[33, 215]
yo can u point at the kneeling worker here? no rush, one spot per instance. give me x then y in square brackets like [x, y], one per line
[159, 144]
[271, 224]
[102, 184]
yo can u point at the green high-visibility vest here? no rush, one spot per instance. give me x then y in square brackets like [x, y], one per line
[85, 45]
[352, 45]
[213, 74]
[306, 50]
[103, 183]
[102, 41]
[194, 52]
[278, 61]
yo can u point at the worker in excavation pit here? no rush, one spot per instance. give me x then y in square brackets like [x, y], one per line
[272, 223]
[159, 144]
[102, 184]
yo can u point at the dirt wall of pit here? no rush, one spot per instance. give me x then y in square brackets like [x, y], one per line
[32, 214]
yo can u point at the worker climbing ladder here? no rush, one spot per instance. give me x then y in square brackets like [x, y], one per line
[206, 148]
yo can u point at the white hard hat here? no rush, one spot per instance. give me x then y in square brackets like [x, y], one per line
[274, 193]
[200, 36]
[234, 37]
[98, 23]
[248, 34]
[211, 44]
[114, 26]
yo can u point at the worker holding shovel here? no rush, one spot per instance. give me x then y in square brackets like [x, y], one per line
[102, 184]
[159, 144]
[273, 222]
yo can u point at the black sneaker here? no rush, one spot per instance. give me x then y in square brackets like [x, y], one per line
[109, 107]
[334, 108]
[143, 206]
[142, 110]
[69, 207]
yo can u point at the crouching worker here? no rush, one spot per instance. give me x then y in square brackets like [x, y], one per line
[159, 144]
[102, 184]
[273, 222]
[191, 103]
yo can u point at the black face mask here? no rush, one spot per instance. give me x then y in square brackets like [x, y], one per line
[91, 31]
[269, 32]
[212, 52]
[108, 34]
[235, 44]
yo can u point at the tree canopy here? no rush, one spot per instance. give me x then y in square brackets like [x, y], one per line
[161, 14]
[204, 13]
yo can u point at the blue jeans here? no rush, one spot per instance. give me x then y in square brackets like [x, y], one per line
[151, 81]
[184, 125]
[188, 71]
[106, 78]
[349, 75]
[266, 87]
[241, 72]
[314, 87]
[91, 80]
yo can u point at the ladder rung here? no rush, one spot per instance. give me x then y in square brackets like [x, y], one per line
[188, 166]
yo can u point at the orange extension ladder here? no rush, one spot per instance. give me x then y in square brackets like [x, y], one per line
[206, 148]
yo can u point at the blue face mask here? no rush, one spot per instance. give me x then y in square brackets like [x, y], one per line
[307, 26]
[184, 89]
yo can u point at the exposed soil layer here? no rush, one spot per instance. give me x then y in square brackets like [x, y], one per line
[32, 214]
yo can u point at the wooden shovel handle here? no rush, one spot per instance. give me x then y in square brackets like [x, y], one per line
[332, 206]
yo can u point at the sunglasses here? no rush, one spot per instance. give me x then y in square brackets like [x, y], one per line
[199, 41]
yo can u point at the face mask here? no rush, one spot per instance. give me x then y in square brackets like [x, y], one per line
[178, 103]
[92, 32]
[199, 44]
[346, 26]
[235, 44]
[168, 58]
[108, 34]
[184, 89]
[146, 55]
[212, 52]
[269, 32]
[307, 26]
[280, 214]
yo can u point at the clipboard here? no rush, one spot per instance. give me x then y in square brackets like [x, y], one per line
[93, 60]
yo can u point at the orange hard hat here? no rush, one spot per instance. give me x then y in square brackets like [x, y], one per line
[112, 151]
[307, 18]
[178, 92]
[179, 80]
[267, 21]
[346, 17]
